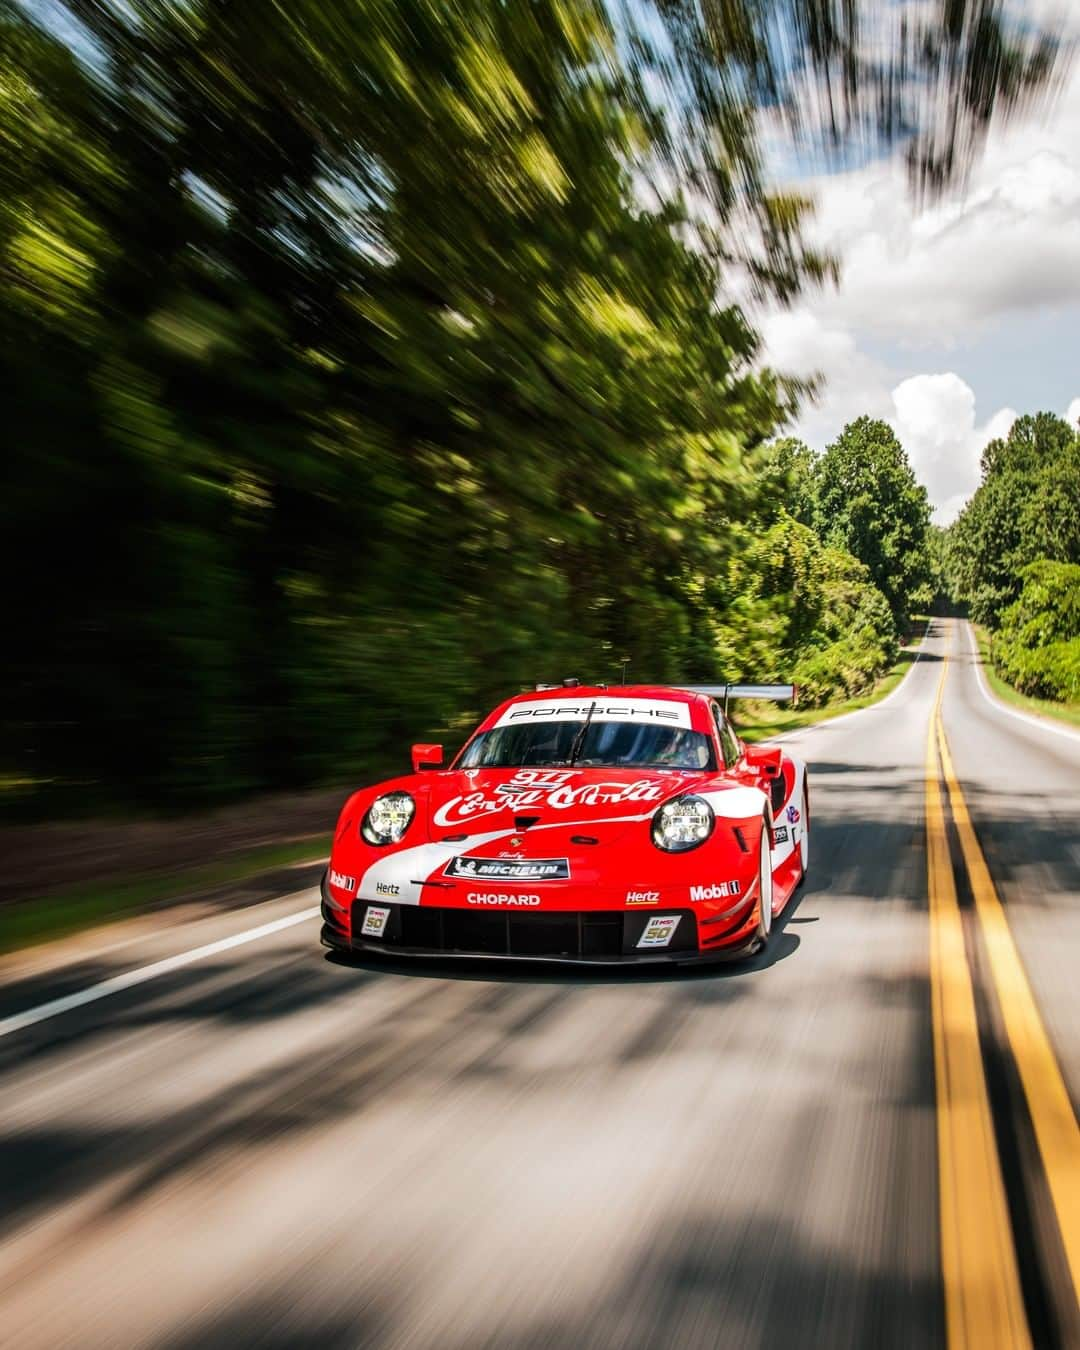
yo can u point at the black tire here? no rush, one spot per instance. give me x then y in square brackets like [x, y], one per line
[765, 887]
[804, 842]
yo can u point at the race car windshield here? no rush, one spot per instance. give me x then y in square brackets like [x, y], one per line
[610, 744]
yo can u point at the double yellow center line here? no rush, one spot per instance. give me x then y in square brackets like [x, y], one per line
[983, 1301]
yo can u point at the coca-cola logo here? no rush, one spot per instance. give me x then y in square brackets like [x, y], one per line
[470, 806]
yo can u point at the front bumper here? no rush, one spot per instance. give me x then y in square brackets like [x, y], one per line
[588, 937]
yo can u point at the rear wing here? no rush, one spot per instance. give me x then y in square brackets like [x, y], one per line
[776, 693]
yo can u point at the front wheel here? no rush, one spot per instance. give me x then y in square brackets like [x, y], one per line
[765, 888]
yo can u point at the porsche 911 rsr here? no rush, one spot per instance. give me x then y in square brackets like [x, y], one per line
[596, 824]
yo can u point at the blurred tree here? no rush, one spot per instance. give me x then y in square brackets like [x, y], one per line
[378, 386]
[369, 360]
[858, 76]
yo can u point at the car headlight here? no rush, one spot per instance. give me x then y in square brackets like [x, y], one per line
[683, 823]
[388, 818]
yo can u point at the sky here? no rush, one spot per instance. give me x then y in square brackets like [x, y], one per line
[949, 321]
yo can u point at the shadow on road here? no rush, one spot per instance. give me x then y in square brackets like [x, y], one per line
[695, 1279]
[415, 1031]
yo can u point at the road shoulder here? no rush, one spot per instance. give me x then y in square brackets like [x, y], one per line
[1039, 711]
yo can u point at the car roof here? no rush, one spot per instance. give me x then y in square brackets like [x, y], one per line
[698, 703]
[667, 691]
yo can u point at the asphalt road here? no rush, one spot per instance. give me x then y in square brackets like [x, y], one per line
[263, 1147]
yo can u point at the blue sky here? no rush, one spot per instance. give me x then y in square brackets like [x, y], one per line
[1000, 358]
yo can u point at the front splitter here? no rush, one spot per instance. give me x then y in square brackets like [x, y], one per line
[339, 943]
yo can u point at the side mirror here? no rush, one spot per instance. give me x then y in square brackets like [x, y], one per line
[426, 757]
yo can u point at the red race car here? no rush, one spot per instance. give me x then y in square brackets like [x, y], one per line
[578, 824]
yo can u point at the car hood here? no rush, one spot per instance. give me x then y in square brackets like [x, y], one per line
[475, 801]
[583, 832]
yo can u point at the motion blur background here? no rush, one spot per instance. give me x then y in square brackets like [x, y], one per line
[365, 362]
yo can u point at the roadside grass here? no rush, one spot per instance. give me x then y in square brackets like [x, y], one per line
[28, 922]
[759, 721]
[1040, 707]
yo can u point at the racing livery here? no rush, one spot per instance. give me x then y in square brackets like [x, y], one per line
[578, 823]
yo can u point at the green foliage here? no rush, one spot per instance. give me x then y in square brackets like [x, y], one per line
[1026, 508]
[1037, 645]
[356, 386]
[854, 639]
[799, 609]
[795, 467]
[868, 503]
[1051, 672]
[1014, 556]
[936, 589]
[369, 363]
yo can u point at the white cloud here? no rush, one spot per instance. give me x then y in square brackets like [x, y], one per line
[934, 417]
[1072, 413]
[799, 343]
[1012, 245]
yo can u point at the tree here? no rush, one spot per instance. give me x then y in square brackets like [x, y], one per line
[1026, 508]
[375, 359]
[359, 385]
[868, 503]
[855, 637]
[796, 467]
[1037, 646]
[931, 78]
[938, 588]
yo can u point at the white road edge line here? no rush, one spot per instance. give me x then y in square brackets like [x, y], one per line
[858, 712]
[1054, 728]
[117, 983]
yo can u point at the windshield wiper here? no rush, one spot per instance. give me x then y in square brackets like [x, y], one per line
[579, 739]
